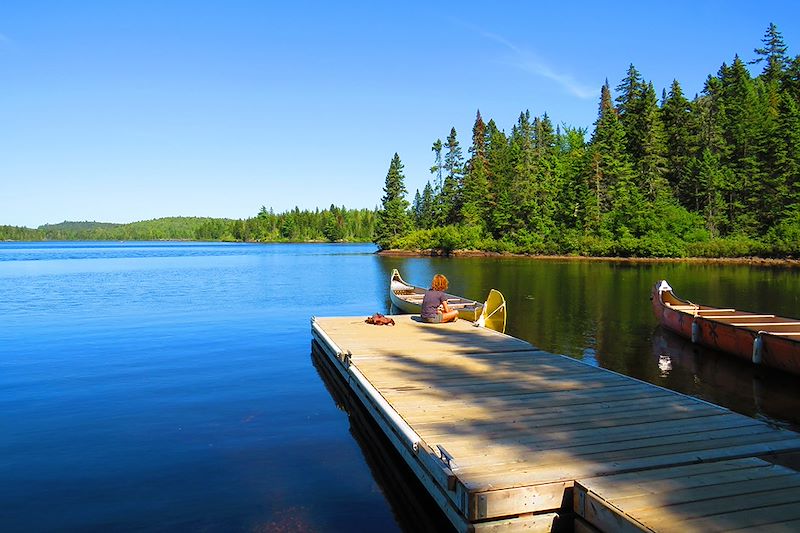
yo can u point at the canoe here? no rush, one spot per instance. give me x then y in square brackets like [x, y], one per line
[490, 314]
[762, 339]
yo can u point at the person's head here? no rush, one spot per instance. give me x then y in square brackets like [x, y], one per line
[439, 283]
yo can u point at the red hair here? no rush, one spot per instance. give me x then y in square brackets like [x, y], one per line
[439, 283]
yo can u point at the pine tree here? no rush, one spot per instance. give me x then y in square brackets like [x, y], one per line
[791, 78]
[523, 187]
[712, 179]
[569, 169]
[676, 115]
[392, 219]
[652, 163]
[630, 103]
[740, 124]
[787, 155]
[427, 211]
[610, 173]
[500, 167]
[416, 210]
[451, 189]
[475, 192]
[773, 54]
[439, 211]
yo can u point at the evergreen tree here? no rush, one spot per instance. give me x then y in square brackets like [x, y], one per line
[610, 178]
[476, 180]
[392, 219]
[791, 78]
[500, 166]
[740, 127]
[787, 155]
[451, 189]
[676, 115]
[569, 169]
[712, 180]
[439, 210]
[427, 208]
[630, 103]
[523, 188]
[416, 210]
[773, 54]
[652, 163]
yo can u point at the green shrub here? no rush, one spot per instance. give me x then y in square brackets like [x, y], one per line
[734, 246]
[784, 239]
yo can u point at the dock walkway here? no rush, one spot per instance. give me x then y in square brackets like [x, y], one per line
[499, 432]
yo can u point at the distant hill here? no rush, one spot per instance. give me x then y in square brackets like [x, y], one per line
[78, 226]
[334, 225]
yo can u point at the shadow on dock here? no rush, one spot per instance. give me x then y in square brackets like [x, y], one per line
[413, 508]
[522, 419]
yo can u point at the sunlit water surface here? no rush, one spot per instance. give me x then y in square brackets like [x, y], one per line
[170, 386]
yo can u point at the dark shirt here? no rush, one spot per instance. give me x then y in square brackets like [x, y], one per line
[431, 302]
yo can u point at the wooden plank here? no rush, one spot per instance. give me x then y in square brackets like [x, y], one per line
[612, 484]
[541, 523]
[434, 401]
[512, 419]
[780, 527]
[693, 498]
[522, 425]
[529, 499]
[616, 489]
[495, 473]
[764, 324]
[595, 434]
[622, 449]
[748, 518]
[746, 317]
[603, 515]
[722, 497]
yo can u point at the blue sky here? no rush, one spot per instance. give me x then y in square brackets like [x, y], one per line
[119, 111]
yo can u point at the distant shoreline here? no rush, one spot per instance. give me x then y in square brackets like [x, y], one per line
[755, 261]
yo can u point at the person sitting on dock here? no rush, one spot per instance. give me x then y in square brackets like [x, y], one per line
[434, 303]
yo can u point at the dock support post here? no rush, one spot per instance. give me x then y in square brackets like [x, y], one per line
[758, 348]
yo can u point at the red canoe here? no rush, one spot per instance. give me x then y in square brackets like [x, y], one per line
[763, 339]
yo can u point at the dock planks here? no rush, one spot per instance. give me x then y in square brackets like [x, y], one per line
[498, 431]
[742, 494]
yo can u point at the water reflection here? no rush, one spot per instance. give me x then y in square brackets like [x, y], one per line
[413, 508]
[722, 379]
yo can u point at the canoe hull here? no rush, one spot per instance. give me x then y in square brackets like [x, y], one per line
[761, 339]
[408, 298]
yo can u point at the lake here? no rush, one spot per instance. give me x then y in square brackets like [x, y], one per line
[171, 386]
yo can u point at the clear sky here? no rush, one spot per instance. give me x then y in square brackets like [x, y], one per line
[119, 111]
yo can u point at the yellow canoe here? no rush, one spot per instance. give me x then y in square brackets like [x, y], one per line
[490, 314]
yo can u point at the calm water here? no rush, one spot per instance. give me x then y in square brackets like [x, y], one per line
[164, 386]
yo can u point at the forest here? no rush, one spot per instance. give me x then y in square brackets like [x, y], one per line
[334, 224]
[717, 175]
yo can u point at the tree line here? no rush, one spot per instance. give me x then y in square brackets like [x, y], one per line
[334, 224]
[717, 175]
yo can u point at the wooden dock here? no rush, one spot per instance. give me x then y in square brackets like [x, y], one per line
[499, 432]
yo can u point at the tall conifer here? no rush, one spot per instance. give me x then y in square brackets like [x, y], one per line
[392, 219]
[476, 179]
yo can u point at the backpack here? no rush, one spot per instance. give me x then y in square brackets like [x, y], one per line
[379, 320]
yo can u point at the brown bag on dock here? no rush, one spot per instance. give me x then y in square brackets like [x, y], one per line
[379, 320]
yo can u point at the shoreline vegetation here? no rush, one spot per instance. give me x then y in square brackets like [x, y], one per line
[715, 176]
[753, 261]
